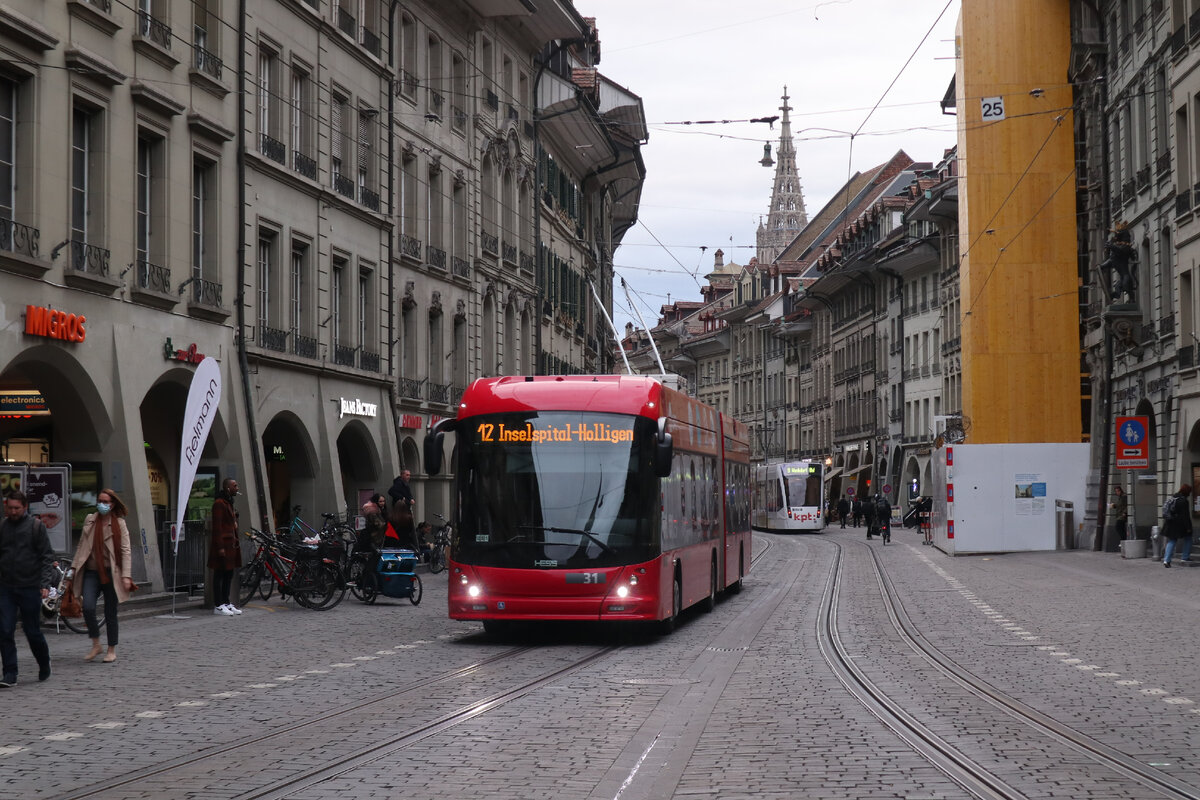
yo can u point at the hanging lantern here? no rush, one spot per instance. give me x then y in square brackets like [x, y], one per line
[767, 161]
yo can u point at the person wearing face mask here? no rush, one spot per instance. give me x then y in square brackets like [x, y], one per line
[224, 549]
[103, 559]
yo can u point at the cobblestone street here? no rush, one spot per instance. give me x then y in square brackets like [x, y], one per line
[395, 700]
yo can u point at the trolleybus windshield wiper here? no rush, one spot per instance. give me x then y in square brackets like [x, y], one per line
[579, 531]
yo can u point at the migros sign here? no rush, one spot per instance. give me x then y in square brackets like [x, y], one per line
[54, 324]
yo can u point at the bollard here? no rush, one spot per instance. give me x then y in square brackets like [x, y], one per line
[1156, 543]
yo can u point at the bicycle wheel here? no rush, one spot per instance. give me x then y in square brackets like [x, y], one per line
[78, 625]
[437, 559]
[366, 586]
[250, 580]
[316, 585]
[415, 596]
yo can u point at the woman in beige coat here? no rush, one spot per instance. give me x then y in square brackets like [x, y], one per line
[102, 565]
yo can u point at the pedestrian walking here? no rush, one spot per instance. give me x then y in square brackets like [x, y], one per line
[224, 549]
[1177, 525]
[843, 509]
[1120, 511]
[856, 508]
[26, 574]
[868, 512]
[103, 559]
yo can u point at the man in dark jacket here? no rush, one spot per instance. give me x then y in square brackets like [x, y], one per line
[26, 573]
[843, 509]
[1177, 526]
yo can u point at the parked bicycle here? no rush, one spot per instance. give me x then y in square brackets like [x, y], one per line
[52, 604]
[297, 570]
[441, 541]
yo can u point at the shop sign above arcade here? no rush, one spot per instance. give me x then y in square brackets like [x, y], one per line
[54, 324]
[357, 408]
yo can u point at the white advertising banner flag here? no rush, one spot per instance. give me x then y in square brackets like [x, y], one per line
[203, 399]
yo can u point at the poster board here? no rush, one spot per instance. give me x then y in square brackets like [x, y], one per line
[48, 490]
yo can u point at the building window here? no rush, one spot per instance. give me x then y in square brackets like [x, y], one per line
[408, 57]
[408, 197]
[366, 158]
[150, 198]
[366, 314]
[204, 217]
[8, 147]
[433, 209]
[300, 103]
[298, 290]
[339, 148]
[436, 355]
[268, 299]
[86, 145]
[269, 112]
[337, 296]
[458, 92]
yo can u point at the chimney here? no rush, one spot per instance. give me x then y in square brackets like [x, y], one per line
[719, 258]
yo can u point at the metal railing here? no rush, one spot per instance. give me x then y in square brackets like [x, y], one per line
[370, 41]
[272, 338]
[435, 257]
[490, 242]
[304, 165]
[153, 29]
[410, 246]
[207, 62]
[89, 258]
[343, 186]
[153, 278]
[274, 149]
[368, 361]
[305, 346]
[18, 238]
[460, 267]
[439, 392]
[410, 388]
[344, 355]
[205, 293]
[346, 22]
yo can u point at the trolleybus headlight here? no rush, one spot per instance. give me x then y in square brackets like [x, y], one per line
[622, 591]
[463, 580]
[633, 580]
[474, 591]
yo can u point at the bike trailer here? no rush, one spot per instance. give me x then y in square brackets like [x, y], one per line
[395, 572]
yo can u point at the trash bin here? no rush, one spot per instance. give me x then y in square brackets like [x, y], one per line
[1133, 548]
[1064, 525]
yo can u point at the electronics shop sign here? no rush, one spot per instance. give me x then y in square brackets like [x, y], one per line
[54, 324]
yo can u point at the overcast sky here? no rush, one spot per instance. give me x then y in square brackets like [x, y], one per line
[714, 60]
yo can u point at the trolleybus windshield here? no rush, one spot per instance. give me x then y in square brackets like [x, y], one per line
[556, 489]
[803, 484]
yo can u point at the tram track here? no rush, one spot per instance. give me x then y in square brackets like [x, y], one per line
[260, 748]
[352, 713]
[975, 778]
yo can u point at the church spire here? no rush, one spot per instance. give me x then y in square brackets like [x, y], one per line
[787, 216]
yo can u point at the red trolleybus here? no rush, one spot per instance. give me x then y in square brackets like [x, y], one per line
[605, 498]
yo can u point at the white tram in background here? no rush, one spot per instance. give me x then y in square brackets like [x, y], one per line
[789, 496]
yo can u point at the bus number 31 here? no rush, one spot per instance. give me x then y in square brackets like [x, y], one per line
[585, 577]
